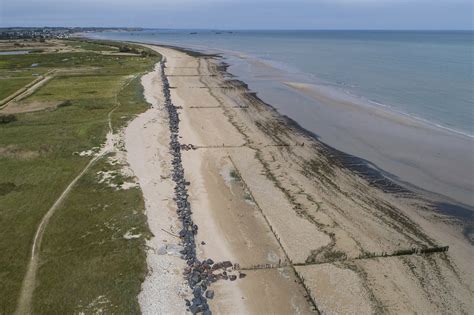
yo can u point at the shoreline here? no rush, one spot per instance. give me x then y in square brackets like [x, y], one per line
[400, 168]
[422, 157]
[383, 110]
[404, 169]
[379, 177]
[266, 191]
[192, 48]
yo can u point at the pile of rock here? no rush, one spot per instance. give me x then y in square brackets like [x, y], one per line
[199, 274]
[187, 147]
[195, 273]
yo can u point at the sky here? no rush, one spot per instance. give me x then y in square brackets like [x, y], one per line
[241, 14]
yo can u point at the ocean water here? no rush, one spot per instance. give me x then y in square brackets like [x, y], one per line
[402, 100]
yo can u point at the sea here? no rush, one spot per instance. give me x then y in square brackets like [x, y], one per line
[402, 100]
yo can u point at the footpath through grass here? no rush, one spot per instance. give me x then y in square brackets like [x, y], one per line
[86, 263]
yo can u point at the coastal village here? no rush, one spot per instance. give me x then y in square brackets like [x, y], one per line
[43, 33]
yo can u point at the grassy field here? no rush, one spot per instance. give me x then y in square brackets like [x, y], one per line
[86, 264]
[10, 85]
[93, 46]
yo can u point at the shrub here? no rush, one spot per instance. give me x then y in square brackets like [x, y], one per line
[133, 50]
[6, 188]
[5, 119]
[234, 175]
[65, 103]
[124, 49]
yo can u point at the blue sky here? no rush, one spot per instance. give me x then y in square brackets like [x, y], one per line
[242, 14]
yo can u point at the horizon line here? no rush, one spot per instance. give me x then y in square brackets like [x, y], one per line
[246, 29]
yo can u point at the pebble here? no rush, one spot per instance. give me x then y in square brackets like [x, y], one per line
[210, 294]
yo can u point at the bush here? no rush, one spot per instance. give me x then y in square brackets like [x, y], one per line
[127, 49]
[5, 119]
[234, 175]
[65, 103]
[6, 188]
[124, 49]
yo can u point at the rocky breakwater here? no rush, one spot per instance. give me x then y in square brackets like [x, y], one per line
[200, 274]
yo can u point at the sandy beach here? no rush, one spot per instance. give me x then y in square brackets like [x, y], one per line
[307, 232]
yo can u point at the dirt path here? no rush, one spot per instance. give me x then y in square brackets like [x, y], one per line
[28, 286]
[10, 104]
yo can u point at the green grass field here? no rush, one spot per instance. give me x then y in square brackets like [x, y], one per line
[85, 262]
[10, 85]
[86, 88]
[88, 45]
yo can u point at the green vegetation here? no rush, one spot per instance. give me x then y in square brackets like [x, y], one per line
[85, 262]
[86, 88]
[44, 61]
[234, 175]
[93, 261]
[129, 97]
[65, 103]
[10, 85]
[89, 45]
[5, 119]
[112, 46]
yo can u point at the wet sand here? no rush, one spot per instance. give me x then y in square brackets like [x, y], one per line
[419, 155]
[264, 192]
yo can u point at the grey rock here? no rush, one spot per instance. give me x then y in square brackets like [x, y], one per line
[210, 294]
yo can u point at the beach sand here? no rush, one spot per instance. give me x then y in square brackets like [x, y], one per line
[264, 192]
[146, 143]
